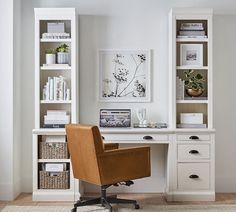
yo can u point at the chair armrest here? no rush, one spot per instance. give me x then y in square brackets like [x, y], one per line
[110, 146]
[124, 164]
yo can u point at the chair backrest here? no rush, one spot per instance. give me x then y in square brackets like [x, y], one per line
[84, 143]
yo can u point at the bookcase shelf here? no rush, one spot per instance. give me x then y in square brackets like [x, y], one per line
[192, 67]
[195, 40]
[54, 97]
[55, 102]
[43, 40]
[65, 68]
[54, 160]
[192, 101]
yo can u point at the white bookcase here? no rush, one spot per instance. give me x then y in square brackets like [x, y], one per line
[193, 146]
[186, 104]
[69, 73]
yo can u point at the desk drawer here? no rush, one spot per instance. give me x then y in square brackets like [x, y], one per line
[193, 151]
[193, 176]
[135, 137]
[193, 137]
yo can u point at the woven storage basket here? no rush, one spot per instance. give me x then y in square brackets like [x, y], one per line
[59, 181]
[53, 150]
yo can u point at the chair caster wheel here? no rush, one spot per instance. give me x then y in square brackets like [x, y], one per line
[136, 206]
[74, 210]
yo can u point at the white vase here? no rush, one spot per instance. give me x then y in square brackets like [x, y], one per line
[62, 57]
[50, 58]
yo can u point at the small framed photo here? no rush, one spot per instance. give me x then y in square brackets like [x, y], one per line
[124, 75]
[115, 118]
[191, 54]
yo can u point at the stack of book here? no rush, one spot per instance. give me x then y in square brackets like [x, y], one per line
[56, 119]
[191, 120]
[179, 88]
[192, 30]
[56, 89]
[58, 35]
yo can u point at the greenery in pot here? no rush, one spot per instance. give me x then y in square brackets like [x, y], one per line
[193, 80]
[193, 83]
[50, 51]
[63, 48]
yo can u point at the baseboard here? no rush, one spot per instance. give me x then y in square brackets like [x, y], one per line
[17, 189]
[190, 196]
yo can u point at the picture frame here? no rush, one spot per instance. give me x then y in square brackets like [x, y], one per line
[191, 54]
[124, 75]
[115, 118]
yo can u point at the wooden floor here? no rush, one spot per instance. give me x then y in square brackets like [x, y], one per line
[154, 199]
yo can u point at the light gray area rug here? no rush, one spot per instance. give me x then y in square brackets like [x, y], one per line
[144, 208]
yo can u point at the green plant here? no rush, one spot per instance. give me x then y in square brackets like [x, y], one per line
[193, 80]
[50, 51]
[63, 48]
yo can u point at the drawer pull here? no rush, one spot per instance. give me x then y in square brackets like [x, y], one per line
[147, 137]
[103, 138]
[193, 176]
[193, 152]
[194, 137]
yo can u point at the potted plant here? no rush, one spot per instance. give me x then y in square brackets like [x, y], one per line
[50, 56]
[193, 83]
[63, 54]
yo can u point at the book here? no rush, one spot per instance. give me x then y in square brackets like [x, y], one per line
[191, 125]
[54, 126]
[56, 112]
[192, 36]
[192, 26]
[192, 33]
[57, 117]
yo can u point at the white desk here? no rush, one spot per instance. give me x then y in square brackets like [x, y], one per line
[190, 161]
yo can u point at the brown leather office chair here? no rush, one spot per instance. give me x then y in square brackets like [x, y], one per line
[104, 164]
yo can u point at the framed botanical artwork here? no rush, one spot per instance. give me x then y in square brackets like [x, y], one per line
[124, 75]
[191, 54]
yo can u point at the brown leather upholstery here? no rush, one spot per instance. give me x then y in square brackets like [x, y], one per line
[104, 164]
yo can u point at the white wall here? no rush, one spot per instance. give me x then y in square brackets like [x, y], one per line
[130, 24]
[10, 176]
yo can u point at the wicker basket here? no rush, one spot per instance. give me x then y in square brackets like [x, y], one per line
[58, 181]
[53, 150]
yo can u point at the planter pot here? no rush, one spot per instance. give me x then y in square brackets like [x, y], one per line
[62, 57]
[50, 58]
[194, 92]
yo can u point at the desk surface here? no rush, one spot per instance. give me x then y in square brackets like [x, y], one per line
[152, 130]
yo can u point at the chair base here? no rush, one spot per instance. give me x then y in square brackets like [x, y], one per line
[104, 200]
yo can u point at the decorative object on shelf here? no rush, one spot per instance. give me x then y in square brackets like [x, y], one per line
[124, 75]
[55, 35]
[63, 54]
[141, 114]
[192, 30]
[115, 118]
[56, 89]
[180, 88]
[56, 119]
[50, 56]
[191, 54]
[151, 125]
[193, 83]
[55, 27]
